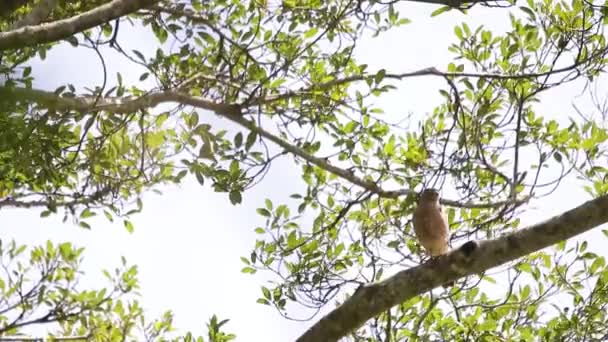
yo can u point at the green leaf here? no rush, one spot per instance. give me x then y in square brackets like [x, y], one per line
[199, 177]
[557, 156]
[277, 83]
[235, 197]
[249, 270]
[238, 140]
[108, 216]
[235, 169]
[139, 55]
[389, 147]
[310, 33]
[268, 204]
[266, 293]
[128, 225]
[379, 76]
[73, 41]
[65, 249]
[263, 212]
[251, 138]
[458, 32]
[86, 213]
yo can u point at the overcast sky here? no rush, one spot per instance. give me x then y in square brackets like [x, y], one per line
[187, 242]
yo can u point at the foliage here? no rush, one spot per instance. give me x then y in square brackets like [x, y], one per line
[285, 75]
[43, 289]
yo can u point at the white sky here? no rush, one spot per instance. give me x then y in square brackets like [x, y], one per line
[187, 242]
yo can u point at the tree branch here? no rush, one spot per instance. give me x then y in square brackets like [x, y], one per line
[86, 199]
[430, 71]
[231, 112]
[473, 257]
[61, 29]
[351, 177]
[41, 339]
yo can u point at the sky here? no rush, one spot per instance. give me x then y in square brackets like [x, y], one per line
[188, 241]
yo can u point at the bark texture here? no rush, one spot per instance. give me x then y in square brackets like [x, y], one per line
[61, 29]
[471, 258]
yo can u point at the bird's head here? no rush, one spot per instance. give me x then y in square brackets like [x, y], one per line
[429, 195]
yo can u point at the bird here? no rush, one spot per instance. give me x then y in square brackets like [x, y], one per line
[431, 225]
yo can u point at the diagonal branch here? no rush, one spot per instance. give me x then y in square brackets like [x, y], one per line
[351, 177]
[231, 112]
[473, 257]
[61, 29]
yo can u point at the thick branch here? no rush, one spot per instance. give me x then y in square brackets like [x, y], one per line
[471, 258]
[229, 111]
[61, 29]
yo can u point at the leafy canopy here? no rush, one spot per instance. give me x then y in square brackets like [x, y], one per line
[283, 74]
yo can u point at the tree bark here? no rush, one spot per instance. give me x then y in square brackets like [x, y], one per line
[473, 257]
[61, 29]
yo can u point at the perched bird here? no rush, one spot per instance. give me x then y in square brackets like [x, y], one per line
[431, 224]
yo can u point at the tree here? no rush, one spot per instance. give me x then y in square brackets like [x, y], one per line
[285, 76]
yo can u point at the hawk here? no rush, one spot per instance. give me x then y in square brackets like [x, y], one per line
[431, 224]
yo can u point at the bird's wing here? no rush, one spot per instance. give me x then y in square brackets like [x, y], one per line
[427, 224]
[445, 226]
[420, 221]
[431, 229]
